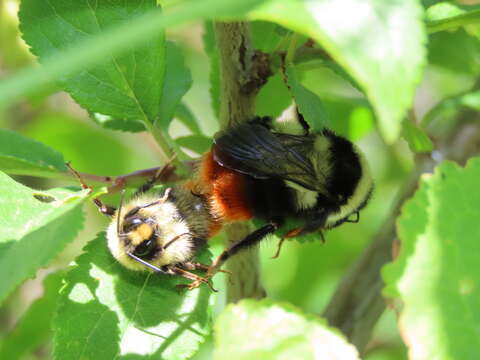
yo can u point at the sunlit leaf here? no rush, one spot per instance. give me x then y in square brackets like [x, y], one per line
[380, 43]
[267, 330]
[125, 87]
[127, 314]
[34, 228]
[115, 41]
[434, 274]
[446, 15]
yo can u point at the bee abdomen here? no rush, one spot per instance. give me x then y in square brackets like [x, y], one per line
[227, 191]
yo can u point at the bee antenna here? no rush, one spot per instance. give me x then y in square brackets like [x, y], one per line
[143, 262]
[122, 196]
[175, 239]
[163, 199]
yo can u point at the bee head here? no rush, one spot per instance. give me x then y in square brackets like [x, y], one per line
[148, 233]
[140, 235]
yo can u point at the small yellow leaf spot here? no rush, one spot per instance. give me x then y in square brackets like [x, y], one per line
[466, 286]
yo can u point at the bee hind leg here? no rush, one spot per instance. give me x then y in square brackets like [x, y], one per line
[248, 241]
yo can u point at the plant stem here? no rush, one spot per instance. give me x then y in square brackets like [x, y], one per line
[238, 69]
[454, 22]
[166, 152]
[117, 183]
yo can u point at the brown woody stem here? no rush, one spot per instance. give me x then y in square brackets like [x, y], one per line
[243, 72]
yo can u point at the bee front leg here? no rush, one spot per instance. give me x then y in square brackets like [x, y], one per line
[200, 267]
[194, 266]
[196, 280]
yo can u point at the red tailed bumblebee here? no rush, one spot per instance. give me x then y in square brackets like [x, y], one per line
[262, 170]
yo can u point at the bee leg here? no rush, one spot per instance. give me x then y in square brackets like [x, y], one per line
[149, 184]
[303, 122]
[196, 280]
[357, 217]
[290, 234]
[200, 267]
[322, 237]
[279, 247]
[248, 241]
[104, 209]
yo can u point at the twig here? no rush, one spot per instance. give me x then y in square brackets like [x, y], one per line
[243, 72]
[357, 303]
[117, 183]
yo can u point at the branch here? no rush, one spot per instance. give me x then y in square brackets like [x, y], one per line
[357, 303]
[243, 72]
[117, 183]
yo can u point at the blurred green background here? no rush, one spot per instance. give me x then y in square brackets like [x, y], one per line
[306, 274]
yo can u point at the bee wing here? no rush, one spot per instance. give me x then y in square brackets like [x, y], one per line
[254, 150]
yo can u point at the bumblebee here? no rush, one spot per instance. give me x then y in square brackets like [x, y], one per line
[261, 170]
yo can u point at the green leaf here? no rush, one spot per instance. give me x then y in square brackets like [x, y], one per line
[34, 228]
[380, 43]
[125, 87]
[434, 275]
[444, 47]
[119, 39]
[20, 155]
[187, 118]
[352, 118]
[447, 16]
[111, 123]
[210, 44]
[273, 98]
[418, 141]
[178, 80]
[265, 35]
[268, 330]
[197, 143]
[88, 148]
[340, 71]
[308, 103]
[450, 106]
[127, 314]
[34, 327]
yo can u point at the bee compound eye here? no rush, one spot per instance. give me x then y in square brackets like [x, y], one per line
[146, 249]
[131, 224]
